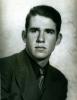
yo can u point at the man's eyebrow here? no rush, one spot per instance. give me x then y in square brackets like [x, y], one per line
[34, 28]
[50, 30]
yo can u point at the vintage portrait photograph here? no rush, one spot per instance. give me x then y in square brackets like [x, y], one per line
[38, 50]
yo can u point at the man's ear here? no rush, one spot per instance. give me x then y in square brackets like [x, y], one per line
[24, 36]
[59, 38]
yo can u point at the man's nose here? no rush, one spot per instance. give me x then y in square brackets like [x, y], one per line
[41, 37]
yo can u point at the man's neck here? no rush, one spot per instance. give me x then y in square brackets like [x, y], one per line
[43, 62]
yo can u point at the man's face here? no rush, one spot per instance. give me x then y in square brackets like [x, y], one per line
[41, 37]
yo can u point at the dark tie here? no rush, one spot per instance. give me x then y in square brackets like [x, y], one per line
[41, 81]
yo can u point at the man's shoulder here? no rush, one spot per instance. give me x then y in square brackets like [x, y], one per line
[11, 61]
[13, 57]
[56, 74]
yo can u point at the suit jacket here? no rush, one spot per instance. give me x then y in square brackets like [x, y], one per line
[19, 80]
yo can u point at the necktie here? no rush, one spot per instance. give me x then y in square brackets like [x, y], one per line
[41, 81]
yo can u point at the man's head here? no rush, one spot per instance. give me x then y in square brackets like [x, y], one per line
[45, 11]
[42, 31]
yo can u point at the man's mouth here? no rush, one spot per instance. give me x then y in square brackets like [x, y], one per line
[40, 48]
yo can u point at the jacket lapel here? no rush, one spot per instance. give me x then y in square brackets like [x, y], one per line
[25, 78]
[22, 69]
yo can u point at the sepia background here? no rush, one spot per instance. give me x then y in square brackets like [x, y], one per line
[12, 22]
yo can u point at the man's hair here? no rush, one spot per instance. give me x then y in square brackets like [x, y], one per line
[45, 11]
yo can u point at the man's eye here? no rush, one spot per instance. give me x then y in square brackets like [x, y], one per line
[33, 30]
[50, 31]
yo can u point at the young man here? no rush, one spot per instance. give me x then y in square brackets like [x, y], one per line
[28, 75]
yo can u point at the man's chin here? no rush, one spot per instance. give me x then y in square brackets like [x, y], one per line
[40, 57]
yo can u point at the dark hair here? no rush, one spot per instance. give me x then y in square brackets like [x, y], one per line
[46, 11]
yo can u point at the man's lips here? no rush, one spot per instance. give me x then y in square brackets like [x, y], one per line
[40, 47]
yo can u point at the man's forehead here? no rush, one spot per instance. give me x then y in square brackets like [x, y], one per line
[39, 20]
